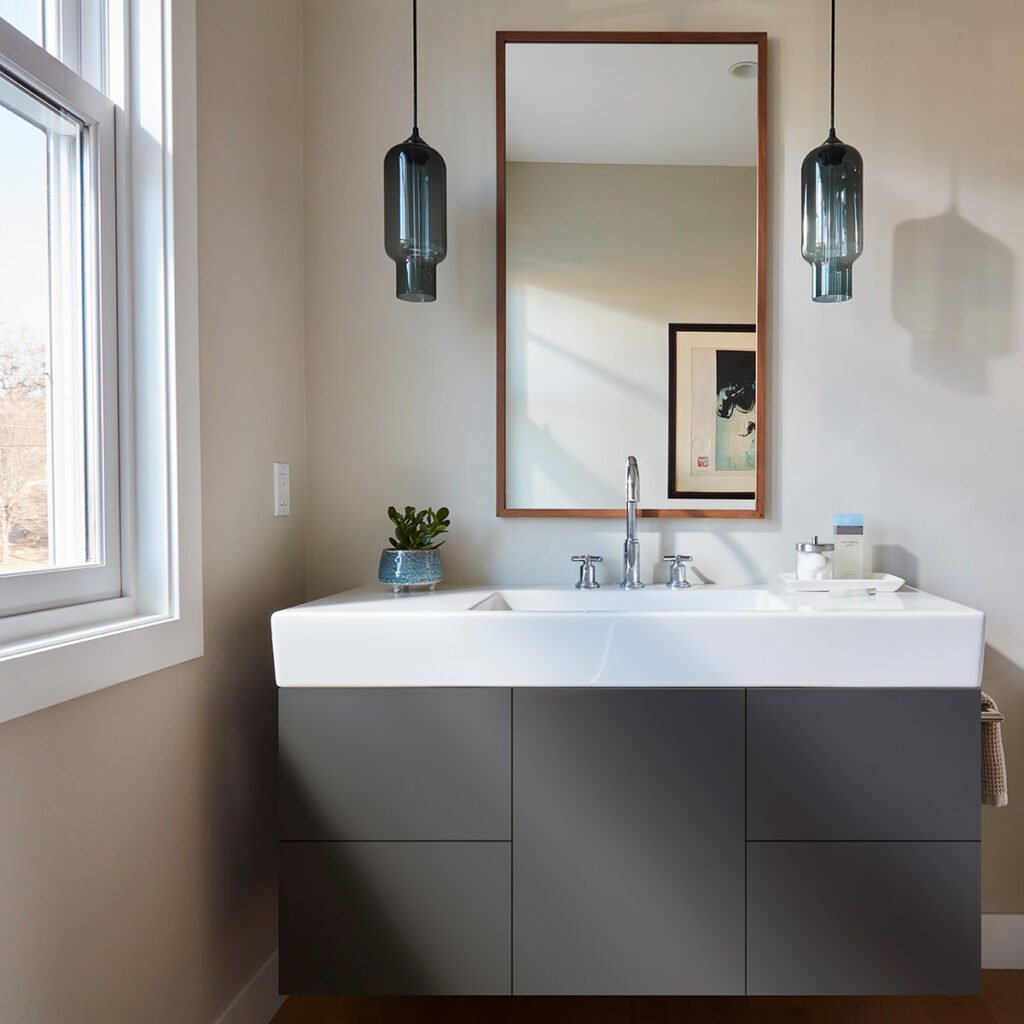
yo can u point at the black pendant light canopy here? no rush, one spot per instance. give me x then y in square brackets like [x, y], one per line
[832, 182]
[415, 233]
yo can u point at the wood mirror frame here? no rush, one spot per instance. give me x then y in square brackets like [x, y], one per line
[758, 39]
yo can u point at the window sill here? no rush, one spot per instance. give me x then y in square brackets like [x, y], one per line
[48, 670]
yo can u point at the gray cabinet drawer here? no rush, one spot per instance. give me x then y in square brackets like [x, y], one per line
[395, 918]
[863, 918]
[628, 838]
[383, 764]
[863, 764]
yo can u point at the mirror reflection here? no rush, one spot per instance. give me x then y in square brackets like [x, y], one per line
[631, 274]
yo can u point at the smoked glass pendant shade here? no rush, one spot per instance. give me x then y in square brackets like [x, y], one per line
[415, 215]
[832, 181]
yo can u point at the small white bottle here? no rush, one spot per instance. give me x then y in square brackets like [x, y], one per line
[848, 563]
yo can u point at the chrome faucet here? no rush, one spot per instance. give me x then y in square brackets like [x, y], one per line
[631, 549]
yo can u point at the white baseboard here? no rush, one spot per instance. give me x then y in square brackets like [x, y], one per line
[1002, 941]
[259, 999]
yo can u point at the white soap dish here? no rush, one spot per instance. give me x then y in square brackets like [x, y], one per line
[880, 582]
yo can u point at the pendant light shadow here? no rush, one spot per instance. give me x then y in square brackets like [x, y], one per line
[832, 181]
[415, 205]
[952, 290]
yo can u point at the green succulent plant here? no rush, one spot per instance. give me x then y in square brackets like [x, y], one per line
[417, 530]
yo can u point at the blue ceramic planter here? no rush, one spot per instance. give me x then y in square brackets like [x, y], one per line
[410, 568]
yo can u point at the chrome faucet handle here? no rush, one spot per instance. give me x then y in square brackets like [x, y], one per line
[677, 571]
[588, 574]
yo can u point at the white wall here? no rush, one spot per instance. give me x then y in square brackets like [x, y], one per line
[137, 847]
[904, 404]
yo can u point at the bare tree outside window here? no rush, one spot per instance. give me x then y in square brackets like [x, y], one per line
[24, 490]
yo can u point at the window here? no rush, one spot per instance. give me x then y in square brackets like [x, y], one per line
[99, 515]
[59, 513]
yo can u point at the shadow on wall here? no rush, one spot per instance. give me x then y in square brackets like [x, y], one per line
[562, 469]
[952, 291]
[896, 559]
[240, 718]
[1004, 681]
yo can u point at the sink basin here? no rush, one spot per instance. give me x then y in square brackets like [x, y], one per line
[633, 602]
[560, 636]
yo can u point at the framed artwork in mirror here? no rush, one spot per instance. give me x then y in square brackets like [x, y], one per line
[713, 422]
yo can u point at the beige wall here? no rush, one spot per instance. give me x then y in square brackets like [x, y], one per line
[904, 404]
[601, 258]
[137, 843]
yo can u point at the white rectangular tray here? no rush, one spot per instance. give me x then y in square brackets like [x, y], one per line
[880, 582]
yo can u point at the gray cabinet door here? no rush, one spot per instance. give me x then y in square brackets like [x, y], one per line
[863, 764]
[863, 918]
[382, 764]
[628, 840]
[395, 918]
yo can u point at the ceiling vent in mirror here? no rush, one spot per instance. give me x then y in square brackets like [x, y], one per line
[832, 182]
[744, 69]
[415, 186]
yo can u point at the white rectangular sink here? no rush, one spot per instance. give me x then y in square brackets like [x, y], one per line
[560, 636]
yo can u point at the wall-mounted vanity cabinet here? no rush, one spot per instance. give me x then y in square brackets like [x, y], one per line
[395, 820]
[629, 841]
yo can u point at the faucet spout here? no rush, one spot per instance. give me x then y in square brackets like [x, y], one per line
[632, 480]
[631, 549]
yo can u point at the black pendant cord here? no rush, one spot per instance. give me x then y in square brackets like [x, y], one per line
[832, 100]
[416, 98]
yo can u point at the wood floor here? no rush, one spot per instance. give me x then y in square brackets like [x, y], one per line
[1001, 1002]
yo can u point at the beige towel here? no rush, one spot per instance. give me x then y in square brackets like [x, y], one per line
[993, 763]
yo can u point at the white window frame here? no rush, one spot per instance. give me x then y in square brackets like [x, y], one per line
[53, 655]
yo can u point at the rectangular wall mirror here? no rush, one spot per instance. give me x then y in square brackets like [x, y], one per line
[631, 268]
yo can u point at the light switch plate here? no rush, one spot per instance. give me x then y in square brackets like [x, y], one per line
[282, 489]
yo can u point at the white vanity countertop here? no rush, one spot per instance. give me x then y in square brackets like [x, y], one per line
[560, 636]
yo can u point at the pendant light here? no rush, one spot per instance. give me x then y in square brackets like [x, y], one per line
[415, 234]
[833, 207]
